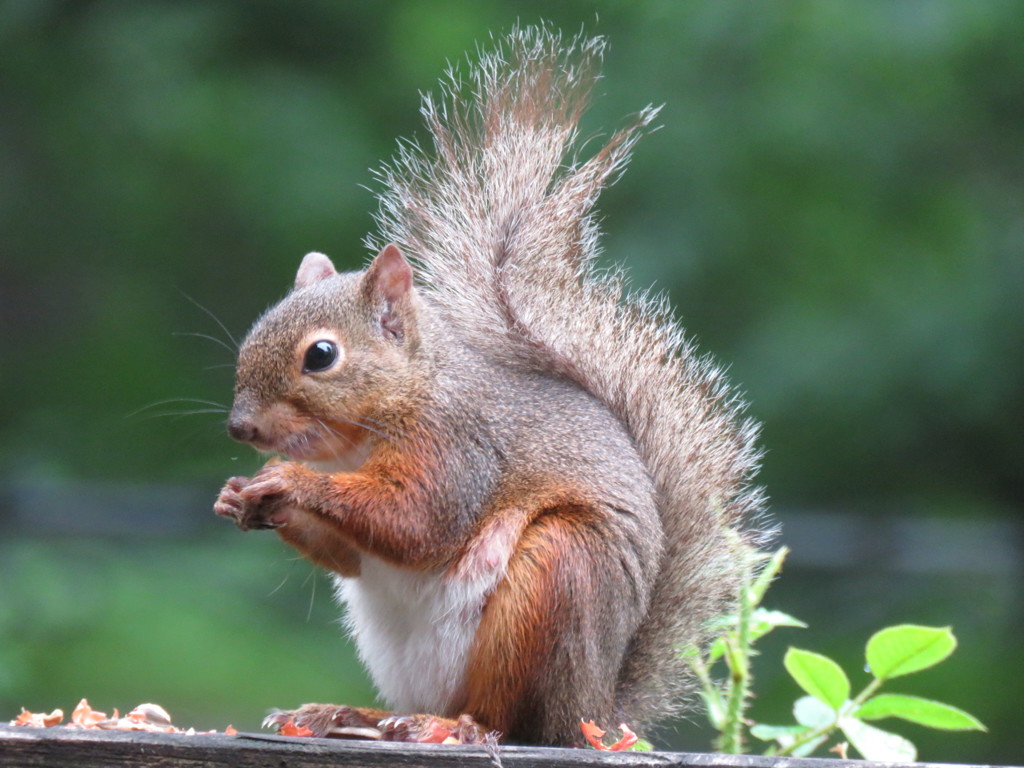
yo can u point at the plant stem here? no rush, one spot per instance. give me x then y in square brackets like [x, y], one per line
[808, 737]
[738, 658]
[867, 693]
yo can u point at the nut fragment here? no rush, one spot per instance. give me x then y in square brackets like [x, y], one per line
[38, 719]
[153, 714]
[145, 717]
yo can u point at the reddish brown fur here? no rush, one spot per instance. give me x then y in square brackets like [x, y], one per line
[377, 509]
[542, 628]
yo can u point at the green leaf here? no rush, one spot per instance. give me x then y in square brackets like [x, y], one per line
[764, 621]
[876, 744]
[715, 706]
[688, 651]
[818, 675]
[642, 745]
[767, 575]
[785, 736]
[907, 648]
[778, 732]
[813, 713]
[716, 651]
[926, 712]
[776, 618]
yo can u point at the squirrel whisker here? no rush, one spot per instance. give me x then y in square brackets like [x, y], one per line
[215, 407]
[234, 346]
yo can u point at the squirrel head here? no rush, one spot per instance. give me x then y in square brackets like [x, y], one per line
[320, 370]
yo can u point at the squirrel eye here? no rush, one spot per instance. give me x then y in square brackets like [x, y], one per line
[320, 356]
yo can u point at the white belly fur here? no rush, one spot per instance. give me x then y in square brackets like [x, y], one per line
[414, 632]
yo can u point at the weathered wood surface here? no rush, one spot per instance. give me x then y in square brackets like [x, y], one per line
[22, 747]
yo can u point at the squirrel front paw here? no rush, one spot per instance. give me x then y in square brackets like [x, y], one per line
[232, 505]
[257, 503]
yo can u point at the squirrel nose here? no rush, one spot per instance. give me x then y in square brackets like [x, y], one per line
[242, 428]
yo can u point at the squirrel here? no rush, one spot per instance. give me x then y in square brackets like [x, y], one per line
[528, 487]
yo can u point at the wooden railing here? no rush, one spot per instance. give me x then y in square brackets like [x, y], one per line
[22, 747]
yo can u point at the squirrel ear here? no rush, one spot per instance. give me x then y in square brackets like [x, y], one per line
[389, 277]
[389, 274]
[314, 267]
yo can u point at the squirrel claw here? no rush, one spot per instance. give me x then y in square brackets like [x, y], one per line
[252, 503]
[410, 728]
[228, 503]
[276, 719]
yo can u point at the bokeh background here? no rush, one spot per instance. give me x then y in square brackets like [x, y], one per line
[835, 203]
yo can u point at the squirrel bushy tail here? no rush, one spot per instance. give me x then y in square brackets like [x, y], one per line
[499, 216]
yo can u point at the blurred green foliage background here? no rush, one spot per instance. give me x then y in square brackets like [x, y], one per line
[835, 203]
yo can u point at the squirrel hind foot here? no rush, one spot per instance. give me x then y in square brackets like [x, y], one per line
[327, 721]
[429, 729]
[341, 722]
